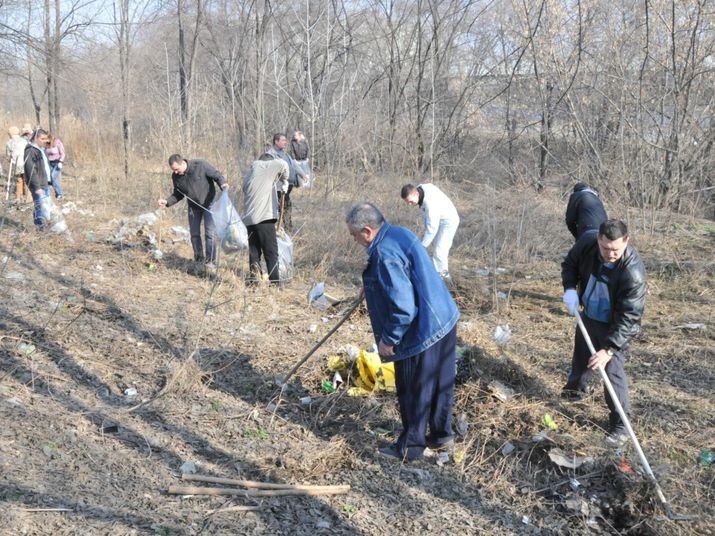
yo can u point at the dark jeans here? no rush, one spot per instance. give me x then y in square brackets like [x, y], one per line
[425, 391]
[262, 241]
[580, 375]
[196, 214]
[285, 207]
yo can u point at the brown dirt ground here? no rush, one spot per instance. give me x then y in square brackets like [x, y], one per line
[203, 354]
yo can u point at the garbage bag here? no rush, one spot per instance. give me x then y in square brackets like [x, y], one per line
[52, 214]
[285, 256]
[230, 230]
[374, 374]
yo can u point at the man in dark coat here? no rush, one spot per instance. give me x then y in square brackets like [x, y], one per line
[605, 275]
[585, 210]
[37, 175]
[196, 180]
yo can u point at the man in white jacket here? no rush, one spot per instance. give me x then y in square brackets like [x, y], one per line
[441, 221]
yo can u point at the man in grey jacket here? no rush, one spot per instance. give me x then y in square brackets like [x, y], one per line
[296, 175]
[260, 213]
[196, 180]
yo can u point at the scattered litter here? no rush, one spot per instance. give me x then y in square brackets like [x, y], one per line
[271, 407]
[317, 297]
[462, 424]
[130, 392]
[459, 456]
[525, 520]
[577, 504]
[560, 458]
[182, 233]
[352, 351]
[489, 271]
[337, 380]
[26, 349]
[306, 400]
[322, 525]
[71, 206]
[335, 362]
[501, 391]
[90, 236]
[312, 328]
[574, 484]
[157, 254]
[508, 448]
[14, 401]
[188, 468]
[15, 276]
[624, 467]
[707, 457]
[373, 375]
[549, 422]
[442, 458]
[501, 295]
[691, 326]
[328, 386]
[502, 334]
[109, 428]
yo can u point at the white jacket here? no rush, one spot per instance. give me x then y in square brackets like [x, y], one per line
[438, 210]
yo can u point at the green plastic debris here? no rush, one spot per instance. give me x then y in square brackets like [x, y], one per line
[706, 458]
[549, 422]
[27, 349]
[328, 386]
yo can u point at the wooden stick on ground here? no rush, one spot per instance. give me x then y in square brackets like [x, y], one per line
[303, 490]
[233, 509]
[245, 483]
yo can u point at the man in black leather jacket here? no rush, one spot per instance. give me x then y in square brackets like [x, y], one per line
[606, 276]
[585, 210]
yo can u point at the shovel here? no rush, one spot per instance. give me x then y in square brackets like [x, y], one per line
[629, 428]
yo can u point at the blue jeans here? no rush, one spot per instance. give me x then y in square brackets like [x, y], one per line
[55, 173]
[37, 215]
[196, 214]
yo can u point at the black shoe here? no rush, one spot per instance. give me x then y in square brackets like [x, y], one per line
[393, 452]
[573, 395]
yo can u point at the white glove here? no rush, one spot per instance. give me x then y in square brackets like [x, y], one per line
[59, 165]
[284, 187]
[571, 300]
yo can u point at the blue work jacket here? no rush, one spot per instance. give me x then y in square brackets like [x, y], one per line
[409, 305]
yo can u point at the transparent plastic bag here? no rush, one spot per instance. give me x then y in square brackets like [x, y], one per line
[230, 230]
[285, 256]
[52, 214]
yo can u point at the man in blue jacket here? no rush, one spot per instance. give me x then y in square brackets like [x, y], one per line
[414, 321]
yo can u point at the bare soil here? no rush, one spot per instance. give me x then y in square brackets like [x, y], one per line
[82, 322]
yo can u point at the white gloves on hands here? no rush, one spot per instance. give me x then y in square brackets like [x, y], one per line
[59, 165]
[571, 300]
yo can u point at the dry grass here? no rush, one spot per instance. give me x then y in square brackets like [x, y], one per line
[203, 354]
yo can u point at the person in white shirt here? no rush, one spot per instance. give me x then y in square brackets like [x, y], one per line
[441, 221]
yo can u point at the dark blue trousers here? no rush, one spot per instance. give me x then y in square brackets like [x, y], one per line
[425, 392]
[580, 375]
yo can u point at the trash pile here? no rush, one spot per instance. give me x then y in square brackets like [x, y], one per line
[365, 365]
[55, 220]
[139, 228]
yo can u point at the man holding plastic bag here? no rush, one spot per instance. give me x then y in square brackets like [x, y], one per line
[196, 180]
[37, 175]
[414, 321]
[260, 207]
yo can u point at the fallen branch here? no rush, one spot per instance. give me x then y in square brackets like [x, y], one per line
[233, 509]
[255, 484]
[47, 510]
[302, 490]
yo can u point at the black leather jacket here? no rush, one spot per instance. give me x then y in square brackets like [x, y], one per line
[626, 287]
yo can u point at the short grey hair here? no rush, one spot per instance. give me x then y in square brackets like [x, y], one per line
[364, 215]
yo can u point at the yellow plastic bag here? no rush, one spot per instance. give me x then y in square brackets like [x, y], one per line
[373, 375]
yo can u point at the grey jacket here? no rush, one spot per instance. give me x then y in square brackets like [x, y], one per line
[292, 168]
[260, 201]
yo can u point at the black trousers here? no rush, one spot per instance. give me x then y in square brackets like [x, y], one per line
[196, 214]
[580, 375]
[285, 208]
[262, 241]
[425, 392]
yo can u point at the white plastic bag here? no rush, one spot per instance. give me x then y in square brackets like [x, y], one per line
[51, 213]
[285, 256]
[230, 230]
